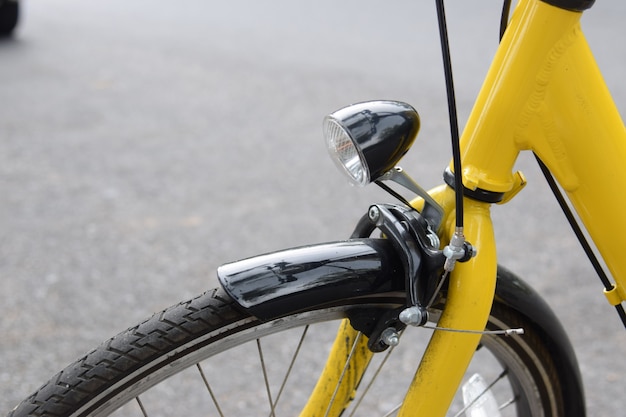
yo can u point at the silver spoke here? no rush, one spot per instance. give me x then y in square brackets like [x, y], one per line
[507, 403]
[141, 407]
[208, 387]
[290, 368]
[393, 411]
[371, 382]
[494, 382]
[343, 372]
[265, 378]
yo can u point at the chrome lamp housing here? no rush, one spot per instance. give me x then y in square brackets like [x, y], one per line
[366, 140]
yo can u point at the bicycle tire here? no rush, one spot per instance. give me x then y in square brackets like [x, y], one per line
[127, 365]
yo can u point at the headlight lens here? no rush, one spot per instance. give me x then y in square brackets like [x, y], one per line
[344, 153]
[366, 140]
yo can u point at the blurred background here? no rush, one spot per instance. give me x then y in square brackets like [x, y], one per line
[145, 142]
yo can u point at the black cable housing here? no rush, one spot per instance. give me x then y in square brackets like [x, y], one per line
[504, 19]
[606, 282]
[454, 124]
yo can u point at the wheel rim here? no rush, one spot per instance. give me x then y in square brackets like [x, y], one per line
[255, 385]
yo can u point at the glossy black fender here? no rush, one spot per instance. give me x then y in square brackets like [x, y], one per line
[280, 283]
[275, 284]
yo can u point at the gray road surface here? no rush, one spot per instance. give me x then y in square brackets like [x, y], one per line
[143, 143]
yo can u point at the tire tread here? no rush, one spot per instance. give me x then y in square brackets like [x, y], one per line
[115, 358]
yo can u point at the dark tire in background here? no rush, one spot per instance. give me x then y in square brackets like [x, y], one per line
[9, 16]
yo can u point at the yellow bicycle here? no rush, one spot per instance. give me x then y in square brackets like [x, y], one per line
[416, 290]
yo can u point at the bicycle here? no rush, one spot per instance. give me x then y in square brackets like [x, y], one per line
[382, 307]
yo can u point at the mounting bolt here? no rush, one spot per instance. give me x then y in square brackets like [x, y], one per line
[390, 337]
[374, 214]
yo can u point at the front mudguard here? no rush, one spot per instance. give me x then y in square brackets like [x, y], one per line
[300, 279]
[281, 283]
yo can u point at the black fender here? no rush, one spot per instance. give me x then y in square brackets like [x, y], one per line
[299, 279]
[285, 282]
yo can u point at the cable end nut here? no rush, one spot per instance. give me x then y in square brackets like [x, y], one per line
[413, 316]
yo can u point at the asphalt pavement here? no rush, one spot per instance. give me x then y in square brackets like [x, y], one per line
[143, 143]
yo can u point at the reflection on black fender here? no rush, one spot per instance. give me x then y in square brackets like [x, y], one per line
[302, 278]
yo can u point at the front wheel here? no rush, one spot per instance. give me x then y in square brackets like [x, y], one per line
[207, 357]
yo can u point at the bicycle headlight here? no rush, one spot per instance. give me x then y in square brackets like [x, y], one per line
[366, 140]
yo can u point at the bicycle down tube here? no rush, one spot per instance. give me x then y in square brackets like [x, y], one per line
[543, 93]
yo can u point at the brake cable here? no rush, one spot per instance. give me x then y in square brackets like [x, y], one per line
[458, 248]
[565, 208]
[504, 18]
[454, 124]
[606, 282]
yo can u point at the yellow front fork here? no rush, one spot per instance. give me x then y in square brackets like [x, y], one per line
[470, 295]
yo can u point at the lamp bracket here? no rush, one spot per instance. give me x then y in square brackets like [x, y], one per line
[432, 211]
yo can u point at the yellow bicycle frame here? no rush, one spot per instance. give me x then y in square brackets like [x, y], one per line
[543, 93]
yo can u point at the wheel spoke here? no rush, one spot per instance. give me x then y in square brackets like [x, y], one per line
[486, 390]
[208, 387]
[265, 378]
[507, 403]
[371, 382]
[290, 368]
[343, 372]
[141, 407]
[393, 411]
